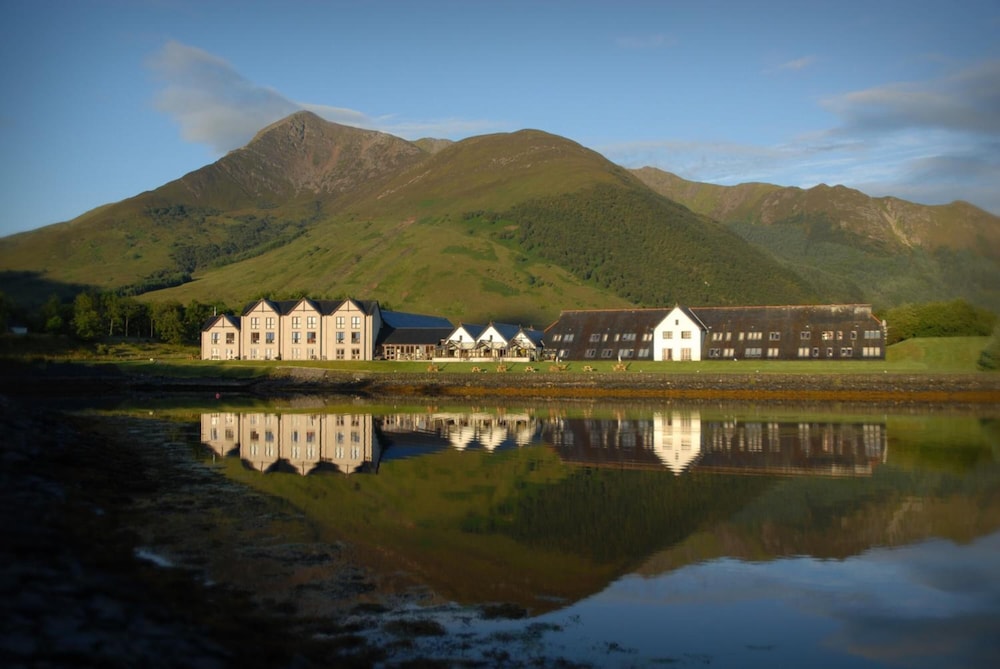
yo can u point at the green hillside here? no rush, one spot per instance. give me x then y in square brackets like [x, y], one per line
[880, 250]
[511, 227]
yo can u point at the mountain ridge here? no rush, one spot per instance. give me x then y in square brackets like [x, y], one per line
[506, 226]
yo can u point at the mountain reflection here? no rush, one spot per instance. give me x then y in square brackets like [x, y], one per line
[678, 441]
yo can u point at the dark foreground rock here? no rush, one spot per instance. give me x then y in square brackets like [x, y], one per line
[78, 590]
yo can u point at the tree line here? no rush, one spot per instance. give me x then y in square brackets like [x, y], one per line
[91, 316]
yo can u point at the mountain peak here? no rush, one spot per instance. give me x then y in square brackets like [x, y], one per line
[305, 154]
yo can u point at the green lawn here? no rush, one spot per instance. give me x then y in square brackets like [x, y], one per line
[944, 355]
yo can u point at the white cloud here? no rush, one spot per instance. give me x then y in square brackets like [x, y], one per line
[215, 105]
[931, 142]
[798, 63]
[642, 42]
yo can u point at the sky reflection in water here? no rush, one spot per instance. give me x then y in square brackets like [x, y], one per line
[824, 486]
[914, 606]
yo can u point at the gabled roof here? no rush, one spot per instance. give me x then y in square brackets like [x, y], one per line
[536, 337]
[472, 330]
[211, 321]
[505, 330]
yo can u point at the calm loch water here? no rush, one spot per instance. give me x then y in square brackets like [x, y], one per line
[659, 535]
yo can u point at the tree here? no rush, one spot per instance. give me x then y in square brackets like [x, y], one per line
[168, 318]
[53, 318]
[86, 320]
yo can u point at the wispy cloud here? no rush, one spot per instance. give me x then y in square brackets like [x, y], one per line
[642, 42]
[930, 142]
[798, 64]
[216, 105]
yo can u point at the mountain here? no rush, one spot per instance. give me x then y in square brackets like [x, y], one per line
[511, 226]
[885, 250]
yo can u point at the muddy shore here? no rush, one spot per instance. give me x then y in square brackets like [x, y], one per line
[876, 387]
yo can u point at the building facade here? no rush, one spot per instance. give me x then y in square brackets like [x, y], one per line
[791, 332]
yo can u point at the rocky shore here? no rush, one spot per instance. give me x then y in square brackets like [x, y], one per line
[79, 586]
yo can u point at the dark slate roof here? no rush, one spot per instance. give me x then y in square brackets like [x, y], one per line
[506, 330]
[583, 323]
[473, 330]
[414, 336]
[787, 318]
[212, 320]
[400, 319]
[536, 337]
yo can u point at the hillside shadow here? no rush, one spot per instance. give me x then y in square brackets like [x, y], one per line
[30, 289]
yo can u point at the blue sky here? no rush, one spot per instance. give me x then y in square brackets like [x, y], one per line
[103, 99]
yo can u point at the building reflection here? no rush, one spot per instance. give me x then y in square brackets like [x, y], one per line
[295, 443]
[678, 440]
[682, 441]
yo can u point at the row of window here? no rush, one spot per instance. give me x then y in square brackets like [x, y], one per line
[269, 337]
[297, 354]
[311, 321]
[825, 335]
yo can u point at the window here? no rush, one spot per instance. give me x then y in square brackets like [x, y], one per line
[773, 353]
[714, 353]
[310, 322]
[269, 323]
[339, 355]
[340, 321]
[755, 336]
[269, 337]
[254, 323]
[230, 337]
[716, 336]
[626, 353]
[254, 337]
[555, 337]
[607, 352]
[310, 337]
[805, 334]
[686, 354]
[215, 354]
[774, 336]
[752, 352]
[686, 334]
[296, 337]
[340, 337]
[215, 337]
[667, 334]
[847, 352]
[595, 337]
[728, 353]
[591, 353]
[647, 336]
[644, 352]
[815, 352]
[827, 335]
[296, 322]
[356, 322]
[803, 351]
[355, 354]
[355, 337]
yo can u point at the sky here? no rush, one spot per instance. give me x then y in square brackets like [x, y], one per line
[104, 99]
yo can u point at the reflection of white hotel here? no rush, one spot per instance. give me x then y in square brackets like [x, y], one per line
[677, 438]
[300, 443]
[681, 440]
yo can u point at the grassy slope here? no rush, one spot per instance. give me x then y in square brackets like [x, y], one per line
[881, 250]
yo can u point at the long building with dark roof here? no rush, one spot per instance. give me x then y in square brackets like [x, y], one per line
[791, 332]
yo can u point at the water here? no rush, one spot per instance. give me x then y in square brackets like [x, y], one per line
[650, 535]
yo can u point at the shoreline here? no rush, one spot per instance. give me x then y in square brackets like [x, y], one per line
[874, 388]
